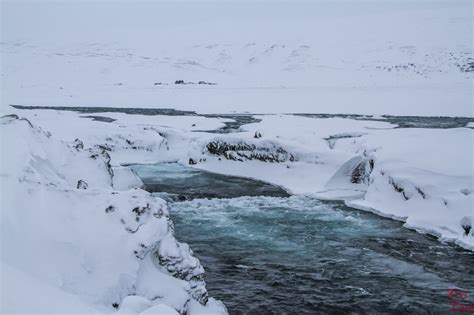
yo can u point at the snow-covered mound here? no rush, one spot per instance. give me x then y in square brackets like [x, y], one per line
[71, 242]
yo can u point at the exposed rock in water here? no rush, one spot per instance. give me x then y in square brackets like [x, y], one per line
[82, 184]
[241, 151]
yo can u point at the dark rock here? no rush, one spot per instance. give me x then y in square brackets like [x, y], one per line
[104, 147]
[467, 228]
[193, 274]
[181, 198]
[78, 144]
[398, 188]
[82, 184]
[241, 151]
[139, 211]
[110, 209]
[421, 192]
[206, 83]
[179, 82]
[466, 224]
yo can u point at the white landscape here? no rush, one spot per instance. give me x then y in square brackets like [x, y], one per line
[246, 86]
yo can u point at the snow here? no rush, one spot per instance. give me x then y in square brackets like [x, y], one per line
[86, 246]
[421, 176]
[112, 243]
[28, 295]
[399, 58]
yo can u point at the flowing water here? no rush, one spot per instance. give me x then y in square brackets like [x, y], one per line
[273, 254]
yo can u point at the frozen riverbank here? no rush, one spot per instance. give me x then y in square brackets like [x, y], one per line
[78, 236]
[298, 254]
[421, 176]
[399, 172]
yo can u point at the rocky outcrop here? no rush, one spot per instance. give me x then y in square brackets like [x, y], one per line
[242, 151]
[78, 144]
[177, 259]
[100, 152]
[81, 184]
[361, 173]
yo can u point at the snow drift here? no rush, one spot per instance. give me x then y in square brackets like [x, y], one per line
[73, 243]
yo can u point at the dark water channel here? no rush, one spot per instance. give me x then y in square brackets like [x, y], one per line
[269, 253]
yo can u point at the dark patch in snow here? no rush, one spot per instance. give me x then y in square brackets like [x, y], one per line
[82, 184]
[78, 144]
[421, 192]
[466, 191]
[467, 67]
[109, 209]
[398, 188]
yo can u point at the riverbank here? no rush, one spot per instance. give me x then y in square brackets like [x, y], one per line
[401, 172]
[422, 176]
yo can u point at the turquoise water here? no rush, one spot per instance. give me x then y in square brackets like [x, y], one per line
[274, 255]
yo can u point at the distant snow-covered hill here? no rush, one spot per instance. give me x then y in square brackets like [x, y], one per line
[402, 58]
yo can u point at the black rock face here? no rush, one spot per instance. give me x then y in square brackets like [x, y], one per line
[241, 151]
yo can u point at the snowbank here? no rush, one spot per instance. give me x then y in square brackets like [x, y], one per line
[83, 244]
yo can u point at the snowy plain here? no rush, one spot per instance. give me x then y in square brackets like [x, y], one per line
[411, 58]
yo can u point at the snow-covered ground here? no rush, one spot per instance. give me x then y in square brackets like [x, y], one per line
[75, 224]
[421, 176]
[79, 236]
[366, 57]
